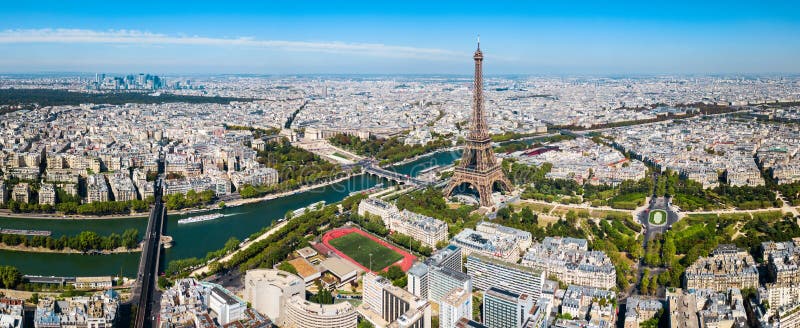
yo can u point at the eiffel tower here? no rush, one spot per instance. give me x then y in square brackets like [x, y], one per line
[478, 167]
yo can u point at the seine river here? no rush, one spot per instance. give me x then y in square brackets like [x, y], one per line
[190, 240]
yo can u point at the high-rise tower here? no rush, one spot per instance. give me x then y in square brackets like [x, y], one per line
[478, 167]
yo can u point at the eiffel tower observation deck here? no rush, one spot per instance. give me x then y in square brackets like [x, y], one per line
[478, 169]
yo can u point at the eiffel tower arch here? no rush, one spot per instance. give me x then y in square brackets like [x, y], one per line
[478, 167]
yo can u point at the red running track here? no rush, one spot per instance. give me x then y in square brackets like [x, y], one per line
[405, 263]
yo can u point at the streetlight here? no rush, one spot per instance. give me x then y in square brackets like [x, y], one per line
[370, 262]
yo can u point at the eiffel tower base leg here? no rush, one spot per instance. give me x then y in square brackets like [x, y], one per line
[483, 184]
[448, 191]
[485, 193]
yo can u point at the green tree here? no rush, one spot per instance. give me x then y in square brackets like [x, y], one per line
[653, 322]
[527, 217]
[477, 308]
[323, 296]
[67, 208]
[571, 216]
[231, 244]
[130, 238]
[393, 272]
[664, 278]
[396, 275]
[565, 316]
[653, 285]
[10, 277]
[88, 240]
[163, 282]
[365, 324]
[668, 251]
[644, 286]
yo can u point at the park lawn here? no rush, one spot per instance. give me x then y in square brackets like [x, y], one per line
[605, 214]
[545, 220]
[629, 197]
[358, 248]
[700, 218]
[581, 213]
[628, 201]
[662, 216]
[561, 211]
[338, 154]
[537, 208]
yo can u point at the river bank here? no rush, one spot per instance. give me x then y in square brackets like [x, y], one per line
[232, 203]
[425, 155]
[204, 269]
[47, 216]
[26, 295]
[29, 249]
[242, 201]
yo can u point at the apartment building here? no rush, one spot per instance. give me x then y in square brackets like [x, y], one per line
[505, 309]
[503, 246]
[726, 267]
[425, 229]
[4, 194]
[21, 193]
[385, 305]
[639, 309]
[456, 305]
[571, 262]
[96, 189]
[419, 276]
[122, 187]
[487, 272]
[47, 194]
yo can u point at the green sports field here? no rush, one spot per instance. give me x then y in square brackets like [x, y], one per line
[358, 248]
[658, 217]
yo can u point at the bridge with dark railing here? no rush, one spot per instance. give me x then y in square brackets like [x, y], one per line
[394, 176]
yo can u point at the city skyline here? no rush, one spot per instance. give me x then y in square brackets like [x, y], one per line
[417, 38]
[335, 164]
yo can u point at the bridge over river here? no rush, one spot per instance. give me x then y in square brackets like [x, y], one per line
[394, 176]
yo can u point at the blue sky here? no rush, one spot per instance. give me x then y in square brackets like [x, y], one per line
[405, 37]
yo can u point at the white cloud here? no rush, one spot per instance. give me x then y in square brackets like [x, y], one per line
[134, 37]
